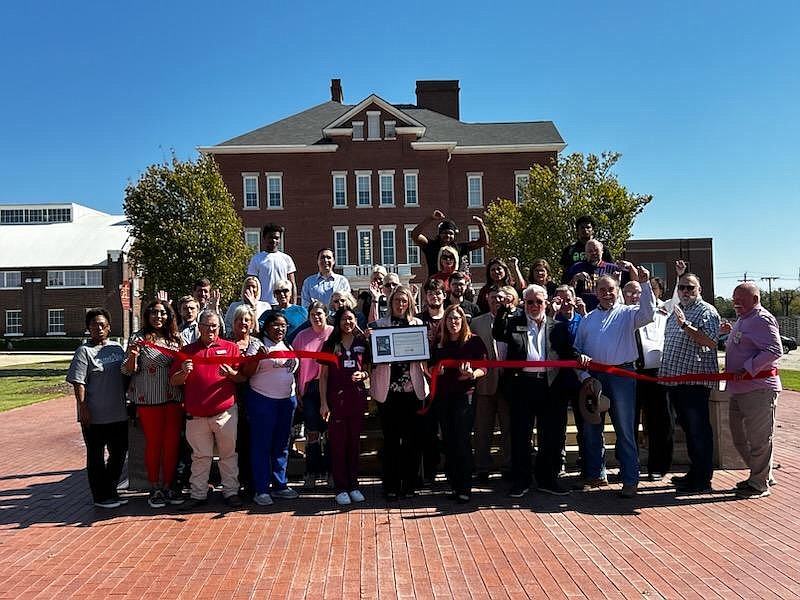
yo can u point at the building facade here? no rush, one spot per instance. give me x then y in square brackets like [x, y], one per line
[359, 177]
[659, 257]
[57, 261]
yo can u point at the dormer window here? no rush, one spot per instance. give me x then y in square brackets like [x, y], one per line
[389, 130]
[358, 130]
[373, 125]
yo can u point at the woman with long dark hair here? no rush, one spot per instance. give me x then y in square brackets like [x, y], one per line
[499, 274]
[158, 404]
[540, 274]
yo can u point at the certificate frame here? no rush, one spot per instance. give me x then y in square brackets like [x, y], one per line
[400, 344]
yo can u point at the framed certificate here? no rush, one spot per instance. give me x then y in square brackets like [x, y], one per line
[400, 344]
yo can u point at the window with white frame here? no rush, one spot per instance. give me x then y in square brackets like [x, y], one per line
[657, 269]
[520, 185]
[388, 253]
[476, 256]
[252, 237]
[339, 189]
[340, 243]
[363, 188]
[358, 130]
[250, 182]
[474, 190]
[364, 245]
[412, 250]
[55, 321]
[387, 188]
[373, 125]
[274, 190]
[411, 179]
[389, 130]
[10, 279]
[16, 216]
[75, 278]
[13, 322]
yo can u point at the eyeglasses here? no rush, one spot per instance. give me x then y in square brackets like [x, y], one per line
[454, 318]
[686, 288]
[282, 291]
[391, 284]
[537, 301]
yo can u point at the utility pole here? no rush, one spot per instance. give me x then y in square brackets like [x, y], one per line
[745, 279]
[769, 281]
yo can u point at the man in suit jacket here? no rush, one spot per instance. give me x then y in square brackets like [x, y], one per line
[490, 403]
[527, 335]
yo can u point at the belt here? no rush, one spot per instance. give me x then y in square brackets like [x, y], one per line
[528, 374]
[627, 365]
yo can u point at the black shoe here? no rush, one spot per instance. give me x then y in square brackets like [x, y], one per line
[481, 478]
[744, 484]
[391, 496]
[518, 491]
[680, 479]
[462, 498]
[193, 503]
[693, 488]
[750, 492]
[234, 501]
[554, 489]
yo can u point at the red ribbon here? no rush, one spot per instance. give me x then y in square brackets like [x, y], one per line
[241, 360]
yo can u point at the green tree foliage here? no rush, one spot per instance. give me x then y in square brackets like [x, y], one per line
[724, 307]
[184, 227]
[544, 222]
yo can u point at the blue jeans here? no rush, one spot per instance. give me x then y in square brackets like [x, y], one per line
[621, 391]
[691, 409]
[270, 428]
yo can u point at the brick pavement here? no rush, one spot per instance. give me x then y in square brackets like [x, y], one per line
[53, 543]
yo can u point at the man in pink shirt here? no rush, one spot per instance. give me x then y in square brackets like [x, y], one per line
[754, 345]
[209, 398]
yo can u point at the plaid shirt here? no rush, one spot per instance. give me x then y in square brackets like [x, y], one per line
[682, 354]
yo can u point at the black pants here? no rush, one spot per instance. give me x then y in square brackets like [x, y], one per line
[429, 445]
[401, 446]
[691, 408]
[659, 423]
[104, 475]
[531, 400]
[457, 416]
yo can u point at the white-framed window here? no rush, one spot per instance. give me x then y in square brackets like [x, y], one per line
[16, 216]
[373, 124]
[340, 245]
[358, 130]
[363, 188]
[412, 250]
[364, 233]
[474, 190]
[10, 279]
[13, 322]
[389, 130]
[274, 190]
[386, 179]
[55, 321]
[252, 237]
[250, 186]
[521, 179]
[476, 256]
[339, 189]
[657, 269]
[75, 278]
[388, 248]
[411, 182]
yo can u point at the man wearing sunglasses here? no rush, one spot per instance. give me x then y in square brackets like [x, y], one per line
[690, 346]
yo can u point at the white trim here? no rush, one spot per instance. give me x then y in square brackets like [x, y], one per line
[4, 279]
[268, 149]
[348, 131]
[386, 125]
[373, 118]
[64, 272]
[9, 312]
[334, 176]
[279, 176]
[381, 175]
[382, 104]
[418, 131]
[517, 176]
[409, 240]
[449, 146]
[360, 173]
[245, 177]
[63, 321]
[346, 230]
[359, 230]
[491, 149]
[353, 131]
[406, 173]
[257, 232]
[8, 335]
[474, 230]
[393, 229]
[479, 176]
[74, 287]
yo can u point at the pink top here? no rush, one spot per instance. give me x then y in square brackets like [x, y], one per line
[753, 345]
[311, 341]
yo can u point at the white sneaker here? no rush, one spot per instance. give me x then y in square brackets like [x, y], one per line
[286, 494]
[343, 499]
[263, 499]
[357, 496]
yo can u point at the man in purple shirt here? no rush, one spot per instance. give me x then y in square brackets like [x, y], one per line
[754, 345]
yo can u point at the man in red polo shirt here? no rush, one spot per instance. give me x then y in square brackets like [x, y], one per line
[208, 394]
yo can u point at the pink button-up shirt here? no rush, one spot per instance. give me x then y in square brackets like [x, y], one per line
[754, 345]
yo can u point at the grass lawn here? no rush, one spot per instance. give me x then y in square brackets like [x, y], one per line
[790, 380]
[21, 385]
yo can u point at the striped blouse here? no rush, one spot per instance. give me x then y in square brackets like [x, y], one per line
[150, 381]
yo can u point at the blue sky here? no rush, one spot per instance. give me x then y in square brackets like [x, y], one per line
[701, 98]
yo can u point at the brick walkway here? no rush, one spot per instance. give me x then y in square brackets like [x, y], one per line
[53, 543]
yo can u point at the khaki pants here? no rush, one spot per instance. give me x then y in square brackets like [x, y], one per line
[201, 433]
[752, 419]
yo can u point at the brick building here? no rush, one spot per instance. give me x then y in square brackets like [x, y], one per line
[659, 257]
[359, 177]
[56, 261]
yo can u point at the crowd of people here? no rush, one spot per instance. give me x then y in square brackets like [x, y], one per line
[195, 398]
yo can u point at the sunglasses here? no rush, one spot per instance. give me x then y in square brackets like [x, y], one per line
[686, 288]
[282, 291]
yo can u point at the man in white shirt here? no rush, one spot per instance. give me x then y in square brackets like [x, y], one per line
[607, 335]
[321, 286]
[271, 265]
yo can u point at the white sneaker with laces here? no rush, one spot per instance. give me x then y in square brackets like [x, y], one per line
[263, 499]
[343, 499]
[357, 496]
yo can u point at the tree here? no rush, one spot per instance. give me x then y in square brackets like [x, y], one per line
[544, 222]
[184, 227]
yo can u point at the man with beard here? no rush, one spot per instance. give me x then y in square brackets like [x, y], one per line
[583, 275]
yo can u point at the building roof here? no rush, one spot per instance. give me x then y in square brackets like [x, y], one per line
[83, 242]
[306, 129]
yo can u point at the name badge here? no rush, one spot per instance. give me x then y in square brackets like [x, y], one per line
[218, 352]
[349, 364]
[522, 329]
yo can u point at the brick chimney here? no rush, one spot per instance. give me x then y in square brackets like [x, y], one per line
[439, 96]
[337, 95]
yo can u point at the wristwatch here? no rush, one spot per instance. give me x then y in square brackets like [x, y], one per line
[685, 324]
